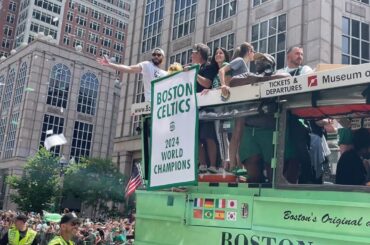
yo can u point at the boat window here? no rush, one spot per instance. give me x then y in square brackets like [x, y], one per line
[328, 145]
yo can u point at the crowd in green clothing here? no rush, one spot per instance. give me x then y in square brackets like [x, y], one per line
[109, 232]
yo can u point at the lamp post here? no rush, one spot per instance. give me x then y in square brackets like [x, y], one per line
[63, 163]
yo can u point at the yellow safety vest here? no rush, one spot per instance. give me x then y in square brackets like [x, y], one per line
[58, 240]
[13, 237]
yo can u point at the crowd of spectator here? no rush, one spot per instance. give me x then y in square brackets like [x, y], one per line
[110, 231]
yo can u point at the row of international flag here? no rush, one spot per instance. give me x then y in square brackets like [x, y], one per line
[211, 214]
[215, 203]
[215, 209]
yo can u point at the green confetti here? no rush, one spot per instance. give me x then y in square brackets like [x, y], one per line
[28, 89]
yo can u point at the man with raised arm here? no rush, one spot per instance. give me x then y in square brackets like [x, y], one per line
[149, 69]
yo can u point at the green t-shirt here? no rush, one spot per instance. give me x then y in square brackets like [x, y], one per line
[345, 136]
[119, 238]
[216, 81]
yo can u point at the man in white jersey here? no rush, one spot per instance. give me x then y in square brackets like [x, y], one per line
[149, 69]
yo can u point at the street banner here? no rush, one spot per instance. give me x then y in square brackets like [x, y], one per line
[174, 131]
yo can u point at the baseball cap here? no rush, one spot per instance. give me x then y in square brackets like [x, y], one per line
[69, 218]
[264, 56]
[158, 50]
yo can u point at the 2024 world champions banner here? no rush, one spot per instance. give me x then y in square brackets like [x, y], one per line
[174, 131]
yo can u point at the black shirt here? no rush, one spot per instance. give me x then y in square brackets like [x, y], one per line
[350, 169]
[208, 71]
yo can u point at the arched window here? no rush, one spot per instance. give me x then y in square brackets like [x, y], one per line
[59, 81]
[8, 90]
[88, 94]
[19, 87]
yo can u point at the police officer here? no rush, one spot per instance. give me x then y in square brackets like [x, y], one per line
[69, 224]
[20, 234]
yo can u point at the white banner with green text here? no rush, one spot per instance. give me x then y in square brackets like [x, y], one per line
[174, 147]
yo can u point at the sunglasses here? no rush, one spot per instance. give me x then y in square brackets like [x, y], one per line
[156, 54]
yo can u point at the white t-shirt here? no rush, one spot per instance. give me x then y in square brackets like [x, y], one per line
[305, 70]
[150, 72]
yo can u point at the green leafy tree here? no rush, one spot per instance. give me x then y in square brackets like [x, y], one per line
[39, 186]
[95, 182]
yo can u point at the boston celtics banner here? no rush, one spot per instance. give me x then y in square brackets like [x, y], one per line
[174, 147]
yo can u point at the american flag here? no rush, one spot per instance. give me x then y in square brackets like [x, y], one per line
[134, 182]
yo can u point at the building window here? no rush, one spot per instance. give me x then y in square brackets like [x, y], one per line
[12, 6]
[355, 42]
[119, 35]
[118, 47]
[55, 8]
[54, 124]
[83, 9]
[95, 14]
[95, 26]
[77, 42]
[19, 87]
[35, 27]
[88, 94]
[93, 37]
[22, 16]
[138, 98]
[2, 132]
[106, 42]
[121, 25]
[270, 37]
[59, 81]
[81, 20]
[68, 28]
[81, 140]
[152, 25]
[220, 10]
[66, 40]
[71, 4]
[108, 19]
[10, 18]
[104, 52]
[184, 18]
[38, 15]
[118, 58]
[5, 43]
[91, 49]
[8, 31]
[70, 16]
[31, 38]
[363, 1]
[226, 42]
[80, 32]
[256, 3]
[10, 137]
[108, 31]
[183, 57]
[8, 90]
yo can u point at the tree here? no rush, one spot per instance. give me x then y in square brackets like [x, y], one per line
[39, 186]
[95, 182]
